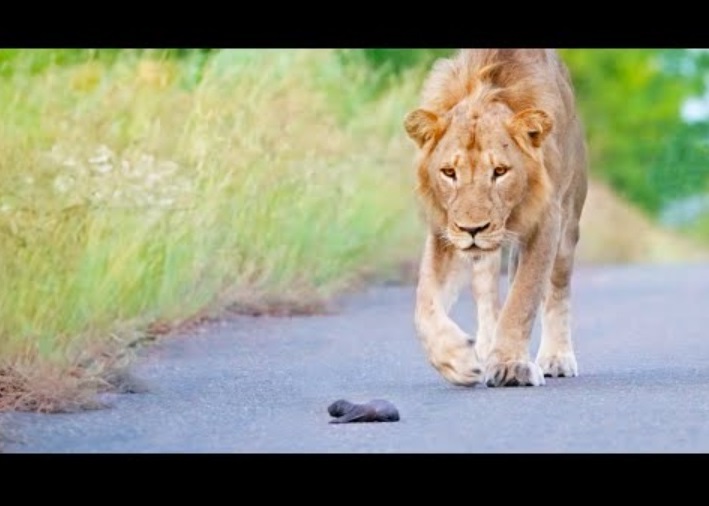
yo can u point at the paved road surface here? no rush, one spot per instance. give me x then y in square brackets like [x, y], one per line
[263, 384]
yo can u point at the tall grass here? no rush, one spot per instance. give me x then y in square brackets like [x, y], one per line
[133, 192]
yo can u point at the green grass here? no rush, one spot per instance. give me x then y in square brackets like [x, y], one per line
[135, 192]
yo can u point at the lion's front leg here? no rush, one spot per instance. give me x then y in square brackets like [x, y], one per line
[509, 363]
[449, 349]
[486, 290]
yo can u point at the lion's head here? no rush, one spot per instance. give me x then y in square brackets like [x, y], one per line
[481, 171]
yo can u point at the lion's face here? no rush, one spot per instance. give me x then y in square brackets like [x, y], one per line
[478, 166]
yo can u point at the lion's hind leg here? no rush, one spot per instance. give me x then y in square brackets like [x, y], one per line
[556, 355]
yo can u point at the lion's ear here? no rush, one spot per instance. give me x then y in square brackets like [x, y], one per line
[534, 124]
[421, 125]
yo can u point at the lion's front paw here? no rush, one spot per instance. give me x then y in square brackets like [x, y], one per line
[558, 364]
[513, 373]
[457, 361]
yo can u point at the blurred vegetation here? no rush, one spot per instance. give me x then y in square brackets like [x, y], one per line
[146, 186]
[631, 102]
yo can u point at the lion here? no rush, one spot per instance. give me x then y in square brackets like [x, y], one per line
[501, 162]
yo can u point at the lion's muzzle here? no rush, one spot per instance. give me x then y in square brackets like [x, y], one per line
[473, 238]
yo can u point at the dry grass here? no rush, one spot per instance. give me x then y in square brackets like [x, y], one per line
[47, 387]
[613, 231]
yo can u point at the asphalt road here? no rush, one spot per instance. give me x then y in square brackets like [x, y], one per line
[264, 384]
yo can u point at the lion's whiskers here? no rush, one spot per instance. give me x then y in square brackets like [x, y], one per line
[444, 237]
[511, 237]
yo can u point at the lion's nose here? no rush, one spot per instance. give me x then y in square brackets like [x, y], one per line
[474, 230]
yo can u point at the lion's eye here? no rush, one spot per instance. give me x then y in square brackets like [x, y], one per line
[501, 171]
[448, 172]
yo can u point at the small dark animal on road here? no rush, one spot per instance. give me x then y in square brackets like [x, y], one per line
[377, 410]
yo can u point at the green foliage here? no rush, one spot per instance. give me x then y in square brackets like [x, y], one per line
[385, 66]
[397, 60]
[681, 170]
[630, 104]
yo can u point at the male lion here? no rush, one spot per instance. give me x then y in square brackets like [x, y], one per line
[501, 160]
